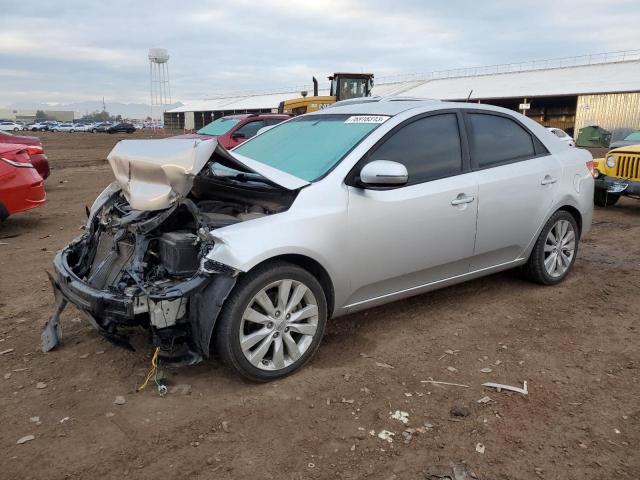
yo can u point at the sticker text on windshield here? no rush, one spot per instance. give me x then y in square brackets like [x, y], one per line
[367, 119]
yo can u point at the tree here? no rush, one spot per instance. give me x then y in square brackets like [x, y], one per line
[41, 116]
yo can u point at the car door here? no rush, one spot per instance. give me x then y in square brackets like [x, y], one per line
[423, 232]
[517, 180]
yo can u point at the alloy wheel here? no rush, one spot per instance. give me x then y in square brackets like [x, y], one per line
[279, 325]
[559, 248]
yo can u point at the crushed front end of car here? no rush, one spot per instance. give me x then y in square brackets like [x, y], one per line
[142, 259]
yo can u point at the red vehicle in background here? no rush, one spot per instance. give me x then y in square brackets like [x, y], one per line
[232, 130]
[34, 148]
[21, 186]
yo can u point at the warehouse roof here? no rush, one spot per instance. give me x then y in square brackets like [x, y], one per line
[602, 73]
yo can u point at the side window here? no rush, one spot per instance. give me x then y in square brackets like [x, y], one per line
[250, 129]
[494, 140]
[429, 148]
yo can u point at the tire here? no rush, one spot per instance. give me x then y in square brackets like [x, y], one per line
[537, 269]
[93, 130]
[602, 198]
[16, 129]
[231, 327]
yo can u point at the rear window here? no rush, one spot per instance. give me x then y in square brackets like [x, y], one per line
[494, 140]
[219, 126]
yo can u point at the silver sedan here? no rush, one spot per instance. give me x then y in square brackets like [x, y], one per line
[248, 253]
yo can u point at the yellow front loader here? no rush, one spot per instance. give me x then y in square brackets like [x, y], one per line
[343, 86]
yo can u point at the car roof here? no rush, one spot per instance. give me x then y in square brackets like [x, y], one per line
[395, 105]
[377, 105]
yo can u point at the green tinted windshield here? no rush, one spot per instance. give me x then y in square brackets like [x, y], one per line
[219, 126]
[308, 147]
[635, 136]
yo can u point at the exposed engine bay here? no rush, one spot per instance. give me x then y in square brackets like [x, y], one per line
[148, 268]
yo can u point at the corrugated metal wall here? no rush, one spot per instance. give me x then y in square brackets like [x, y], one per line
[617, 112]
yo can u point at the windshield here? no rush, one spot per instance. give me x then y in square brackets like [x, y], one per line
[635, 136]
[219, 126]
[308, 147]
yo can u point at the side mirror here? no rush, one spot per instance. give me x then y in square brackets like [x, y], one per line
[238, 135]
[384, 173]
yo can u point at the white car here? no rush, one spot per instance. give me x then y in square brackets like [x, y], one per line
[563, 136]
[65, 127]
[84, 127]
[10, 126]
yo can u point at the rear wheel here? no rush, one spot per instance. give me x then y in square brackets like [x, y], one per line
[602, 198]
[272, 323]
[555, 250]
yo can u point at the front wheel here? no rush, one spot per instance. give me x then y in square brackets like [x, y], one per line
[555, 250]
[602, 198]
[272, 323]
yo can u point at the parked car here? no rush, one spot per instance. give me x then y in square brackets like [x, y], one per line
[249, 252]
[10, 126]
[84, 127]
[42, 126]
[100, 127]
[232, 130]
[121, 128]
[21, 187]
[617, 175]
[64, 127]
[34, 149]
[562, 135]
[632, 139]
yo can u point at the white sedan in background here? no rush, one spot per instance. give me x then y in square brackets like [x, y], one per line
[562, 135]
[84, 127]
[65, 127]
[10, 127]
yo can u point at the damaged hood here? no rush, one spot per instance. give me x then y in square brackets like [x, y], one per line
[154, 173]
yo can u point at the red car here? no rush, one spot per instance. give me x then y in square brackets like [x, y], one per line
[21, 186]
[232, 130]
[34, 148]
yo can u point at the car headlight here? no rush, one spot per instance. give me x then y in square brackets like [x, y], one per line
[611, 161]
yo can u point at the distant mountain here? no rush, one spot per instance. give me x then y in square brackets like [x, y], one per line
[127, 110]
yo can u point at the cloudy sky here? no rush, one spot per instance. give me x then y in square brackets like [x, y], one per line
[70, 51]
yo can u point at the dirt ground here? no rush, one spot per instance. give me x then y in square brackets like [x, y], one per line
[576, 344]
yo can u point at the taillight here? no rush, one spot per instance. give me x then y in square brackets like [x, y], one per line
[591, 168]
[34, 149]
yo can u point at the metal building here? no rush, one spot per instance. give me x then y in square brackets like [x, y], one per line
[568, 93]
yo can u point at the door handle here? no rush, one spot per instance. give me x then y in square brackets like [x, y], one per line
[548, 180]
[462, 199]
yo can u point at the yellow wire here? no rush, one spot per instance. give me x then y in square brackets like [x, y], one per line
[152, 370]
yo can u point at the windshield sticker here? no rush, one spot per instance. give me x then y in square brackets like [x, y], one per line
[367, 119]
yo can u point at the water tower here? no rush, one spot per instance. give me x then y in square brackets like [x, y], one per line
[159, 81]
